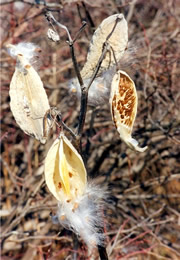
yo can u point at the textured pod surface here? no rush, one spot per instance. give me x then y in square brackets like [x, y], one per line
[65, 173]
[117, 41]
[123, 103]
[28, 99]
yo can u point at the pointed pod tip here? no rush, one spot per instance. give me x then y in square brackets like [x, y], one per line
[133, 144]
[141, 149]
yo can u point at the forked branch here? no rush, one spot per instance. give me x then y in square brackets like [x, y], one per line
[84, 89]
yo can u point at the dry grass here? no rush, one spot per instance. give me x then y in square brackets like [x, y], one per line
[142, 219]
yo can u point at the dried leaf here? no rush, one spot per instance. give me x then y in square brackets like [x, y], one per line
[65, 173]
[117, 41]
[29, 103]
[123, 102]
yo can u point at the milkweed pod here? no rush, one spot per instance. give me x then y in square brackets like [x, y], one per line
[65, 173]
[117, 41]
[28, 100]
[123, 103]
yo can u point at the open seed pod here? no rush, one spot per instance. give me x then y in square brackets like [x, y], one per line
[123, 103]
[79, 203]
[65, 173]
[28, 100]
[117, 41]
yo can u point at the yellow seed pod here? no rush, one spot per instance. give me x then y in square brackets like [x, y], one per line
[123, 103]
[28, 100]
[117, 43]
[65, 173]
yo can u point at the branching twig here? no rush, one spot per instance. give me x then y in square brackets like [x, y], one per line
[66, 127]
[84, 89]
[43, 3]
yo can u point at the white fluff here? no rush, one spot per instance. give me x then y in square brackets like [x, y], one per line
[27, 49]
[99, 90]
[84, 216]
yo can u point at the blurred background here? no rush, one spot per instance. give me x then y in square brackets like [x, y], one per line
[142, 215]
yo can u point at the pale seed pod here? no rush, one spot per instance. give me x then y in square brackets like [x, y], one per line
[53, 35]
[28, 99]
[117, 42]
[79, 203]
[123, 103]
[65, 173]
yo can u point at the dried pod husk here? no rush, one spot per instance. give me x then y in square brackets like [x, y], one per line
[65, 173]
[123, 103]
[117, 42]
[28, 99]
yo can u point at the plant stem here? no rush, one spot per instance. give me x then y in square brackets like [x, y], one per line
[102, 253]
